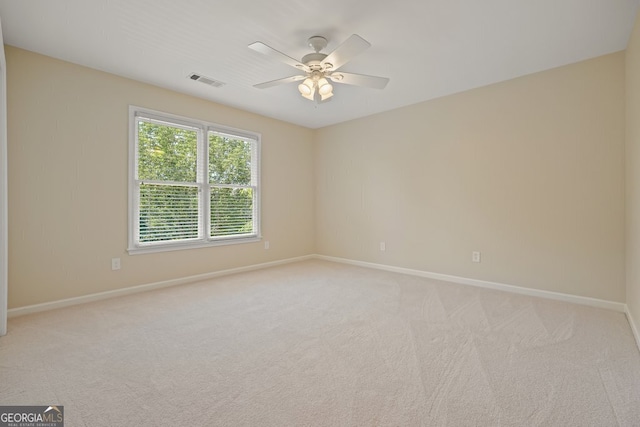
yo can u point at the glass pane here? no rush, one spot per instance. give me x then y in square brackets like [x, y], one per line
[229, 160]
[231, 211]
[168, 213]
[166, 153]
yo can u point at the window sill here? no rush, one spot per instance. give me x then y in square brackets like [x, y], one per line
[139, 250]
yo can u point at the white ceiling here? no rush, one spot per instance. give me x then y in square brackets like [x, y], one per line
[428, 48]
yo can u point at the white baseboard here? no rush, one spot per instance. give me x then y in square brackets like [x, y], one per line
[593, 302]
[634, 326]
[29, 309]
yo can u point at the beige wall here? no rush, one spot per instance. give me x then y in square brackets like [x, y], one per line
[632, 157]
[68, 145]
[528, 171]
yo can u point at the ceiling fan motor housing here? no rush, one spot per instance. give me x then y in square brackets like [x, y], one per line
[314, 61]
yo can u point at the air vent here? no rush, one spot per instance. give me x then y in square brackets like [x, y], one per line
[206, 80]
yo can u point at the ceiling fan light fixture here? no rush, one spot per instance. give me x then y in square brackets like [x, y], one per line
[326, 96]
[324, 87]
[306, 87]
[310, 96]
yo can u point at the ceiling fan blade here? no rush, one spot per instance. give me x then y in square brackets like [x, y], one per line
[272, 83]
[269, 51]
[359, 80]
[347, 50]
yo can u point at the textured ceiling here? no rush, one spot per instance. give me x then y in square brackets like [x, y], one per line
[428, 48]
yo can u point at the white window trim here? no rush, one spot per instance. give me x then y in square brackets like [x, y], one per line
[205, 127]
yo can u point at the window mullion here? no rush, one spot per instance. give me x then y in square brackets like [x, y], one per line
[203, 180]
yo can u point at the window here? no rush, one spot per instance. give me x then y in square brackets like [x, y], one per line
[192, 183]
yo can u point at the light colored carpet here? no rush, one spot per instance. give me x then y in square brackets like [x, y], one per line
[323, 344]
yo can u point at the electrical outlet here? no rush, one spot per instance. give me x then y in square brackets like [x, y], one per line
[475, 256]
[266, 244]
[383, 246]
[115, 263]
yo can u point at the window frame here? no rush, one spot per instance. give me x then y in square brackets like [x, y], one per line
[202, 182]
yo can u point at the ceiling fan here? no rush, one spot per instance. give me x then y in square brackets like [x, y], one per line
[319, 68]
